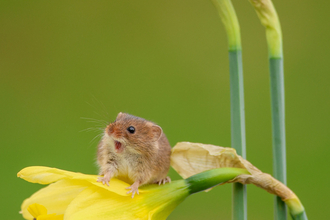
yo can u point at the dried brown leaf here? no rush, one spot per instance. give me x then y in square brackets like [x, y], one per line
[191, 158]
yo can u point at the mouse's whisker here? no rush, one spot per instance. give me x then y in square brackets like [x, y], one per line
[97, 136]
[95, 129]
[100, 124]
[99, 107]
[94, 120]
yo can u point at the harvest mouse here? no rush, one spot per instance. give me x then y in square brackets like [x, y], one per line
[134, 149]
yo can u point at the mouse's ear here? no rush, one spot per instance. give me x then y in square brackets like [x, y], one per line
[156, 132]
[120, 114]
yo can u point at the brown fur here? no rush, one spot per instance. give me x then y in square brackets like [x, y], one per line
[145, 157]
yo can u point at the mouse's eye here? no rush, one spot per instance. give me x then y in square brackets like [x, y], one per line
[131, 129]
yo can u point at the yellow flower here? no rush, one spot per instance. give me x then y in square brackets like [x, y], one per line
[39, 212]
[79, 196]
[191, 158]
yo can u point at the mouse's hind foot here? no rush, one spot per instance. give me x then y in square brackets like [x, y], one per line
[163, 181]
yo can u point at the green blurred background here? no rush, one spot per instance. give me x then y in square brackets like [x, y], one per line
[166, 61]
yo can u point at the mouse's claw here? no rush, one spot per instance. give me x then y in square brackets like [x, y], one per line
[133, 191]
[105, 179]
[165, 180]
[134, 188]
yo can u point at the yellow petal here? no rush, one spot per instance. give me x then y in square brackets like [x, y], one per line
[55, 197]
[95, 203]
[43, 175]
[51, 217]
[79, 196]
[164, 210]
[36, 210]
[46, 175]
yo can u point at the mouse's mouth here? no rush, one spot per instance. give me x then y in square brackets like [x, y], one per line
[119, 147]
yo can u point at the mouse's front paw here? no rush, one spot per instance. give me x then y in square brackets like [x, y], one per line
[134, 188]
[105, 179]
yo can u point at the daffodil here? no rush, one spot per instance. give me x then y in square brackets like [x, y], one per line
[39, 212]
[189, 159]
[79, 196]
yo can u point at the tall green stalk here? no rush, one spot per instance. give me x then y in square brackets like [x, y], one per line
[278, 128]
[230, 21]
[268, 17]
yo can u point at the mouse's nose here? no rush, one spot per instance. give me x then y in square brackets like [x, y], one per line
[114, 131]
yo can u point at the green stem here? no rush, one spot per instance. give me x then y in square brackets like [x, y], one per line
[278, 117]
[301, 216]
[269, 19]
[210, 178]
[237, 128]
[237, 102]
[229, 19]
[278, 128]
[296, 208]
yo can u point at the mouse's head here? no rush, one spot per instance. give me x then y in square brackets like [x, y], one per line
[133, 132]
